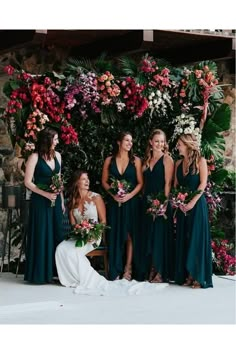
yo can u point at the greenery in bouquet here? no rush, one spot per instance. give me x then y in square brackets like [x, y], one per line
[157, 205]
[181, 196]
[56, 186]
[119, 187]
[87, 231]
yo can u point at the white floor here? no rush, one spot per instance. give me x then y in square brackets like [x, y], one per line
[22, 303]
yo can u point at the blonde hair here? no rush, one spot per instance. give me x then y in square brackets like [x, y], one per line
[148, 152]
[193, 152]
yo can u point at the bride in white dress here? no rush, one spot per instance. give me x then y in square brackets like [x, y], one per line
[73, 267]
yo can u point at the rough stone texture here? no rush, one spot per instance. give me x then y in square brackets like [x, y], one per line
[230, 136]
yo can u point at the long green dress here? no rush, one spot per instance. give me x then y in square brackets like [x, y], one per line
[193, 240]
[157, 235]
[122, 220]
[44, 229]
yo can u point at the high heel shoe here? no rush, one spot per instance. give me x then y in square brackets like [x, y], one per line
[152, 274]
[188, 281]
[157, 279]
[196, 285]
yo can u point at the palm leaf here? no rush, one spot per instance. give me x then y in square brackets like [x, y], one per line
[219, 176]
[102, 64]
[77, 65]
[128, 66]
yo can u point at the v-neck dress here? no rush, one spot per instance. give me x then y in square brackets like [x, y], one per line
[157, 242]
[122, 220]
[193, 240]
[44, 229]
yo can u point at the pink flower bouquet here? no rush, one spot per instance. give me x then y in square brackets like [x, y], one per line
[119, 187]
[157, 205]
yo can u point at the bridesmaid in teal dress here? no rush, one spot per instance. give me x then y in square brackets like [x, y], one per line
[157, 237]
[122, 212]
[45, 221]
[193, 240]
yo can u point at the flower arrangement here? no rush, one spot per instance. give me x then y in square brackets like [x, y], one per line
[34, 102]
[157, 205]
[56, 186]
[223, 261]
[159, 101]
[181, 196]
[213, 200]
[119, 188]
[186, 124]
[107, 88]
[87, 231]
[82, 93]
[133, 96]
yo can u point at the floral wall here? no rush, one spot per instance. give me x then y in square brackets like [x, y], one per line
[88, 102]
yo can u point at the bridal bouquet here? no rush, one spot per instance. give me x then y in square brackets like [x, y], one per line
[157, 205]
[119, 187]
[87, 231]
[181, 196]
[56, 186]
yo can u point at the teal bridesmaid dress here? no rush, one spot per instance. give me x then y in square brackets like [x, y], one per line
[123, 221]
[193, 240]
[157, 236]
[44, 229]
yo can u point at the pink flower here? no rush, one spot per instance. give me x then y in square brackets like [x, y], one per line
[9, 70]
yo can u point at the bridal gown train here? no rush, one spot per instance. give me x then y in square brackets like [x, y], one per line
[74, 268]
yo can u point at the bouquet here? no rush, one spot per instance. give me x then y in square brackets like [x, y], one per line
[181, 196]
[157, 205]
[56, 186]
[119, 187]
[87, 231]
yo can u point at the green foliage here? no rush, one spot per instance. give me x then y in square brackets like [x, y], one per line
[219, 176]
[213, 142]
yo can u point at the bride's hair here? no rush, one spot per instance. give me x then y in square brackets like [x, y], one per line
[73, 190]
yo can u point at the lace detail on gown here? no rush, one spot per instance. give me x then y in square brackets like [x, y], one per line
[74, 268]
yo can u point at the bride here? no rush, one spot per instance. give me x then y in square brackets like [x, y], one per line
[73, 267]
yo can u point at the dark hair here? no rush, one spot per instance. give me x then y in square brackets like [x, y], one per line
[44, 143]
[73, 190]
[119, 138]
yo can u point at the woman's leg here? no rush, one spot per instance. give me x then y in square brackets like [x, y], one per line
[129, 257]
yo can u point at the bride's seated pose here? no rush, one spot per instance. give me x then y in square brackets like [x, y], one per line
[73, 267]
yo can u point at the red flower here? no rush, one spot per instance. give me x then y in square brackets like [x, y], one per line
[9, 70]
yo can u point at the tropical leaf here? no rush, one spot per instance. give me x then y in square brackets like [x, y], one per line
[212, 140]
[102, 64]
[219, 176]
[222, 117]
[78, 65]
[128, 66]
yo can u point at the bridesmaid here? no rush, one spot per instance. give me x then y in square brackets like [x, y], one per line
[122, 219]
[158, 170]
[193, 240]
[45, 227]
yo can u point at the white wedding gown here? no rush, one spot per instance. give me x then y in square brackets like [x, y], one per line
[74, 268]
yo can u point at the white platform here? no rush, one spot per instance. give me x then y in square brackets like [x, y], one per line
[23, 303]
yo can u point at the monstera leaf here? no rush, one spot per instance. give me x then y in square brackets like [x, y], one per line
[213, 143]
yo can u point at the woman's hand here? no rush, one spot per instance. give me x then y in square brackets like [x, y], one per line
[126, 197]
[50, 196]
[63, 207]
[187, 207]
[123, 199]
